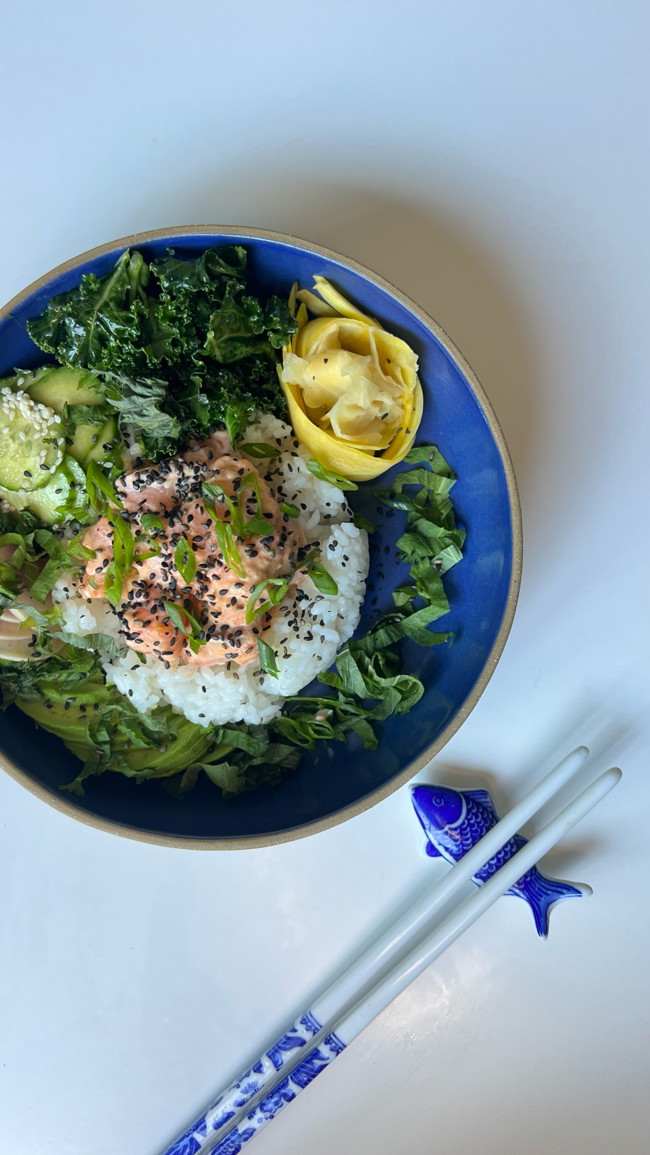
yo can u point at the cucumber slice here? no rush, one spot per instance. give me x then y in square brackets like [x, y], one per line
[31, 441]
[66, 386]
[65, 487]
[89, 441]
[59, 387]
[43, 502]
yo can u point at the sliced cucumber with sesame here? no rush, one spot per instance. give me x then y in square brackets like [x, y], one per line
[57, 387]
[43, 502]
[64, 388]
[31, 441]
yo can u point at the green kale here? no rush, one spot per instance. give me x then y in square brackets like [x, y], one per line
[174, 343]
[101, 323]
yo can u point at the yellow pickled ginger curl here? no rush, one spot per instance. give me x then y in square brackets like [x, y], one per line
[353, 391]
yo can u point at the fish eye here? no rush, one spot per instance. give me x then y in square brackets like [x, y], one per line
[438, 801]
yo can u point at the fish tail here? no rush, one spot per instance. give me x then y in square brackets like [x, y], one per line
[542, 893]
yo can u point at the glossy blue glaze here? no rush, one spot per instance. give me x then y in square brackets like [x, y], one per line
[455, 820]
[334, 777]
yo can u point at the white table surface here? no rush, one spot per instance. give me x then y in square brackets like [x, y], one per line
[491, 160]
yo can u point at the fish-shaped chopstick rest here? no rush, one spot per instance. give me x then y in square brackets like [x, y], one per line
[455, 820]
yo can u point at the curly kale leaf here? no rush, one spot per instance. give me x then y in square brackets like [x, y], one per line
[101, 324]
[175, 343]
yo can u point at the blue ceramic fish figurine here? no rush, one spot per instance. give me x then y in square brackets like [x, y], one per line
[455, 820]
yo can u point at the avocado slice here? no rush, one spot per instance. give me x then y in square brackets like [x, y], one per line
[190, 744]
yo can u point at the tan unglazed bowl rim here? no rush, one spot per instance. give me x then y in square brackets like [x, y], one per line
[62, 804]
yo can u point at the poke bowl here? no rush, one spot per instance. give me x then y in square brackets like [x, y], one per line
[260, 539]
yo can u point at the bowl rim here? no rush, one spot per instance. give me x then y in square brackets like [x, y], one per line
[124, 830]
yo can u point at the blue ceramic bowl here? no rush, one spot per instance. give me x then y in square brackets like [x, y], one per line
[335, 781]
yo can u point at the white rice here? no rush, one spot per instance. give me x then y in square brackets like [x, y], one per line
[232, 693]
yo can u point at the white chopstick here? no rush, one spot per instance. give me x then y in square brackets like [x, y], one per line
[460, 919]
[372, 983]
[431, 900]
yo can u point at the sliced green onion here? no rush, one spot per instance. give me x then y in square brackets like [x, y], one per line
[259, 449]
[324, 474]
[151, 521]
[217, 493]
[123, 547]
[179, 616]
[255, 525]
[188, 625]
[97, 482]
[237, 417]
[267, 657]
[362, 522]
[250, 480]
[289, 509]
[322, 578]
[224, 535]
[112, 584]
[117, 570]
[185, 560]
[275, 588]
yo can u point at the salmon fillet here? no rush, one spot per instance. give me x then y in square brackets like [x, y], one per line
[217, 595]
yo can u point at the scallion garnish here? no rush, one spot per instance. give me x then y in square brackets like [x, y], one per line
[259, 449]
[151, 521]
[267, 657]
[362, 522]
[274, 588]
[255, 524]
[123, 549]
[324, 474]
[322, 578]
[98, 483]
[224, 535]
[185, 560]
[188, 625]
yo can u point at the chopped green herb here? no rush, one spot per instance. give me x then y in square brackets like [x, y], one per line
[224, 535]
[289, 509]
[324, 474]
[185, 560]
[151, 521]
[275, 589]
[216, 493]
[183, 620]
[259, 449]
[242, 525]
[321, 578]
[362, 522]
[97, 483]
[267, 658]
